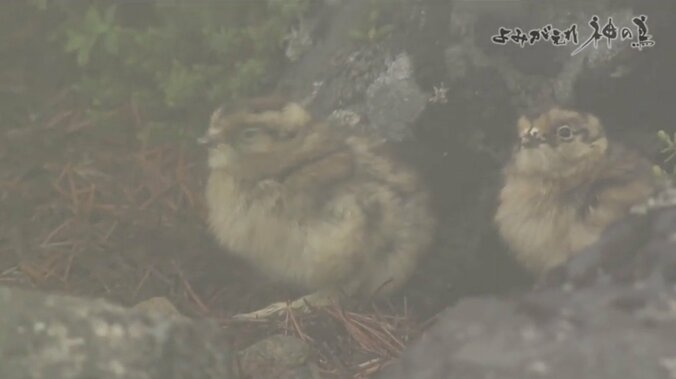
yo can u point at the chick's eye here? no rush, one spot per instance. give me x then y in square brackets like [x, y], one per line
[564, 132]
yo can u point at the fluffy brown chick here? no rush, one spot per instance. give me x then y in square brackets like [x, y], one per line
[565, 183]
[311, 206]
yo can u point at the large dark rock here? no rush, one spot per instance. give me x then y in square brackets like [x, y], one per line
[52, 336]
[608, 313]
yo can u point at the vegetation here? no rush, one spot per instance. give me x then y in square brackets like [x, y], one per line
[669, 151]
[373, 27]
[170, 61]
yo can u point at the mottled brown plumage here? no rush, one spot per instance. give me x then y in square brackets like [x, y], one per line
[311, 205]
[564, 185]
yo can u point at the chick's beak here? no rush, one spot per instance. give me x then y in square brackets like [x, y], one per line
[531, 139]
[209, 140]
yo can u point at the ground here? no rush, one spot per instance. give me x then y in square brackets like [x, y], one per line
[94, 212]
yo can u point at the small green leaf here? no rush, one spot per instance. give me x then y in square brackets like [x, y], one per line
[670, 157]
[658, 172]
[662, 135]
[92, 20]
[111, 43]
[109, 16]
[40, 4]
[73, 42]
[357, 35]
[82, 57]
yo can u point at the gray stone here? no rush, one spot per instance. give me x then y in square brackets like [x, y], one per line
[53, 336]
[394, 100]
[564, 336]
[608, 313]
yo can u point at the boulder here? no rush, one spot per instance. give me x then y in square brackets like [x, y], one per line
[608, 313]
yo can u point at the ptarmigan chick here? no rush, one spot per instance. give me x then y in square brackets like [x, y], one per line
[566, 182]
[311, 206]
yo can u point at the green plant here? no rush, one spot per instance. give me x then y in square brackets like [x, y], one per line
[669, 150]
[373, 28]
[171, 61]
[97, 27]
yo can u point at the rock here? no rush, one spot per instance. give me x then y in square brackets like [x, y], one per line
[637, 249]
[608, 313]
[371, 79]
[564, 337]
[277, 357]
[540, 72]
[394, 101]
[53, 336]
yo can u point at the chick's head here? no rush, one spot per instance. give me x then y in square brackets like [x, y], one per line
[559, 143]
[253, 130]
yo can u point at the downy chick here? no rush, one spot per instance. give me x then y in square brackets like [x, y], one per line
[308, 205]
[565, 183]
